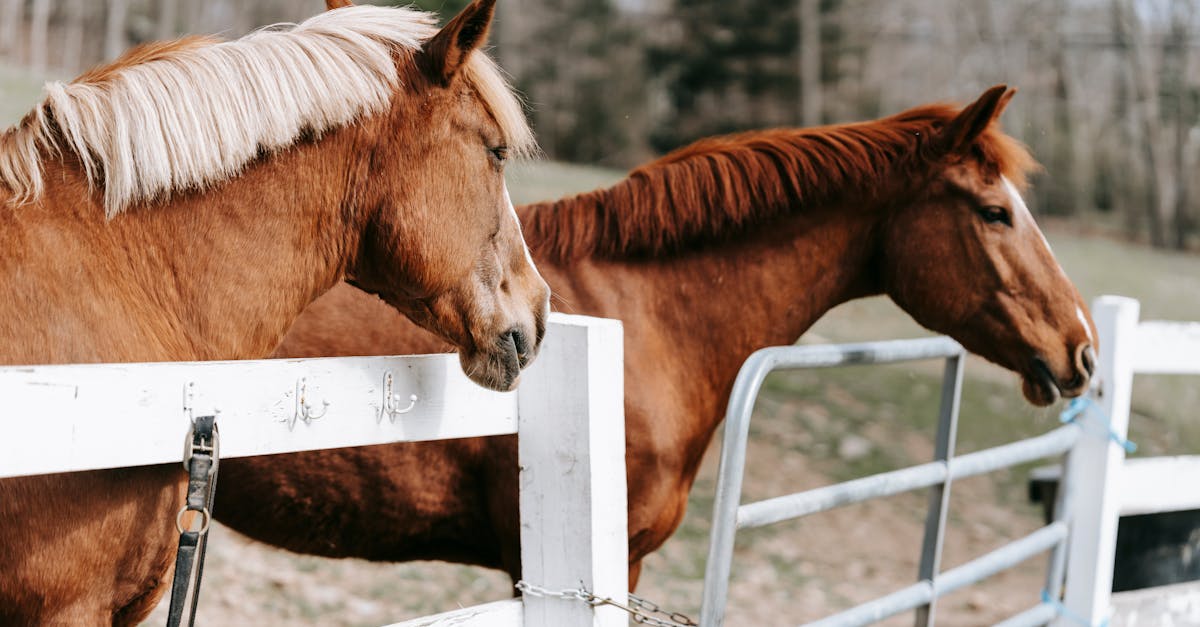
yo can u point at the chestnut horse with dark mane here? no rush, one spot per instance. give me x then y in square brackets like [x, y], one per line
[189, 200]
[724, 247]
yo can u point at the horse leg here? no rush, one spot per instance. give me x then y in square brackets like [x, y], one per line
[140, 607]
[87, 548]
[635, 572]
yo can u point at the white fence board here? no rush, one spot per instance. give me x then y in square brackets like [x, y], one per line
[574, 530]
[1160, 484]
[84, 417]
[497, 614]
[1095, 466]
[1167, 348]
[1176, 605]
[572, 442]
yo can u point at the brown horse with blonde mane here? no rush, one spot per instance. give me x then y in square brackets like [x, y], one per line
[724, 247]
[189, 200]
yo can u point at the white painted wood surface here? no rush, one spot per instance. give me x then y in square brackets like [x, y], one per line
[570, 410]
[572, 453]
[496, 614]
[65, 418]
[1151, 485]
[1176, 605]
[1094, 467]
[1167, 348]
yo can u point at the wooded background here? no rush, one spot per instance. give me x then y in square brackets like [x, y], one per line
[1109, 102]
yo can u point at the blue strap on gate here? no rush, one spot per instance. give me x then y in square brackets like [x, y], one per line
[1078, 406]
[1062, 611]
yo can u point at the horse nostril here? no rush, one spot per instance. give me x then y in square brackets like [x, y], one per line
[1085, 359]
[520, 344]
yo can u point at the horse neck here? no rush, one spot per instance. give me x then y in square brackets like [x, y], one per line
[709, 309]
[218, 274]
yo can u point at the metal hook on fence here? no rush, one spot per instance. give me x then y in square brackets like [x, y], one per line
[391, 400]
[189, 398]
[189, 402]
[304, 411]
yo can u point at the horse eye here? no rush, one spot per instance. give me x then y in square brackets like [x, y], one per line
[499, 153]
[993, 214]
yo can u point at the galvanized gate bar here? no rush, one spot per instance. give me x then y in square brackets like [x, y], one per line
[729, 515]
[1002, 558]
[781, 508]
[920, 593]
[737, 427]
[973, 571]
[1048, 444]
[939, 495]
[861, 353]
[800, 504]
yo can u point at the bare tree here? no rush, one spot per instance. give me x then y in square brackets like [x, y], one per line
[114, 32]
[1164, 177]
[168, 14]
[10, 23]
[810, 62]
[72, 50]
[37, 36]
[1177, 93]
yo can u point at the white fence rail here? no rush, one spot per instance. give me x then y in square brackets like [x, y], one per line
[1102, 484]
[568, 414]
[569, 418]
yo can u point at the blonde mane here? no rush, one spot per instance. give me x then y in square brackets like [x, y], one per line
[191, 113]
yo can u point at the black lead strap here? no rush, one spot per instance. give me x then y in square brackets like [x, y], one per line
[200, 459]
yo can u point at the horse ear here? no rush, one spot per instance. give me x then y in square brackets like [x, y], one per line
[966, 127]
[448, 50]
[337, 4]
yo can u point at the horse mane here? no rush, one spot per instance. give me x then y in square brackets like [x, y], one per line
[719, 186]
[190, 113]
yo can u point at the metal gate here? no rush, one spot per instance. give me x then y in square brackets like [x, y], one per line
[730, 515]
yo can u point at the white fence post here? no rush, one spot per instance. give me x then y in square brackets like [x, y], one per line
[571, 438]
[1095, 466]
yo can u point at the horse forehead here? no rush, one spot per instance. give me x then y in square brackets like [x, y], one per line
[512, 211]
[1019, 207]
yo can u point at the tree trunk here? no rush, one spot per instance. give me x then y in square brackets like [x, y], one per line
[76, 17]
[10, 25]
[810, 62]
[38, 26]
[168, 15]
[1177, 47]
[1070, 154]
[114, 33]
[1146, 106]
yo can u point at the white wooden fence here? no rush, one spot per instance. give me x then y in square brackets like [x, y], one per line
[569, 417]
[568, 414]
[1101, 484]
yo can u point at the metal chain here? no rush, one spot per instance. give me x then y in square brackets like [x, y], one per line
[644, 612]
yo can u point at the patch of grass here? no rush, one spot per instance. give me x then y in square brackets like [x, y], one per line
[19, 91]
[547, 180]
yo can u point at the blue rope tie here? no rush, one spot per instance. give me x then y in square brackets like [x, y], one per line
[1068, 614]
[1078, 407]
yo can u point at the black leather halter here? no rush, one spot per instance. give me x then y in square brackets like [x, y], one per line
[201, 454]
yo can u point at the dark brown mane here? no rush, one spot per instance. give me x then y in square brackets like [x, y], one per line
[719, 186]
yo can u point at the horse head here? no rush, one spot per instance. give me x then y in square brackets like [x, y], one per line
[964, 256]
